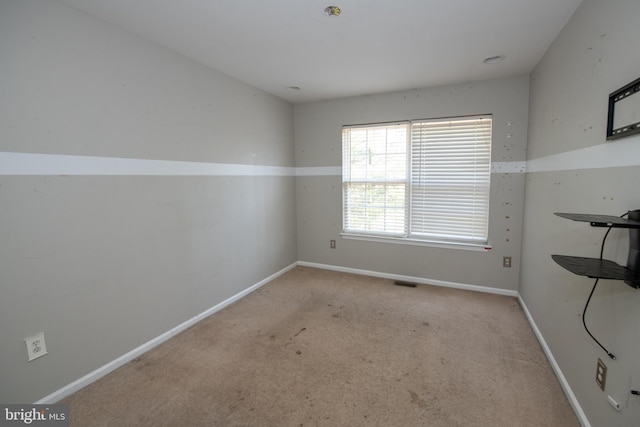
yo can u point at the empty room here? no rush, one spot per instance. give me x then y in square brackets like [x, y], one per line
[318, 213]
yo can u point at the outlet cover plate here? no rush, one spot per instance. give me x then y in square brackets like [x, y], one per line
[601, 374]
[36, 347]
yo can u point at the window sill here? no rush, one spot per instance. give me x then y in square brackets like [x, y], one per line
[417, 242]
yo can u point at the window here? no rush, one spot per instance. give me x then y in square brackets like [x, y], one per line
[422, 180]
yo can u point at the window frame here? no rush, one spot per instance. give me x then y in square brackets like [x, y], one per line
[372, 181]
[407, 238]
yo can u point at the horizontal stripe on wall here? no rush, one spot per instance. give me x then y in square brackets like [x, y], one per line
[319, 171]
[55, 164]
[613, 154]
[608, 155]
[508, 167]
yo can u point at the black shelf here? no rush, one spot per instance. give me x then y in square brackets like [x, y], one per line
[598, 269]
[601, 220]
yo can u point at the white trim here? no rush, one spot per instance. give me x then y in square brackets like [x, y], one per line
[57, 164]
[138, 351]
[573, 400]
[420, 280]
[113, 365]
[417, 242]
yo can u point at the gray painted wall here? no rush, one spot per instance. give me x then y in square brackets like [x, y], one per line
[574, 169]
[102, 264]
[318, 127]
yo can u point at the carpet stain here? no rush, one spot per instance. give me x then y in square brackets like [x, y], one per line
[417, 400]
[140, 363]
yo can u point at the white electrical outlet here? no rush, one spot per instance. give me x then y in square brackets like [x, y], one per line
[36, 346]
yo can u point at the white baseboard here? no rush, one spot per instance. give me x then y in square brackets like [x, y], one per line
[138, 351]
[573, 401]
[420, 280]
[556, 368]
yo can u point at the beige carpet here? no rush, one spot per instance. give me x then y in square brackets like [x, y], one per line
[321, 348]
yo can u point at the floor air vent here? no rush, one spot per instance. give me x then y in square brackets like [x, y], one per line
[407, 284]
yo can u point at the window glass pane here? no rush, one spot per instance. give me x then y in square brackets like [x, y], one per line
[375, 179]
[450, 179]
[373, 207]
[434, 188]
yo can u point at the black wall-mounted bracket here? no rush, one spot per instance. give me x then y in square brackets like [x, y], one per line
[622, 117]
[599, 268]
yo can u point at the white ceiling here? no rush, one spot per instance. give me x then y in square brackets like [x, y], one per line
[374, 46]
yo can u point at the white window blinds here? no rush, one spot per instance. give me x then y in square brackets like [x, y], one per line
[450, 179]
[425, 180]
[375, 179]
